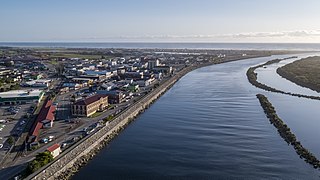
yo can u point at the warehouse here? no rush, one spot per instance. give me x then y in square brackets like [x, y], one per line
[20, 96]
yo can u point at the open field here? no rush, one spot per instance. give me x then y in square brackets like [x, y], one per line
[67, 55]
[304, 72]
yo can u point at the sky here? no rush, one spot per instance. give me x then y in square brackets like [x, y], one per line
[160, 21]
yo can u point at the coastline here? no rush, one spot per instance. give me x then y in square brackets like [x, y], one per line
[71, 160]
[287, 72]
[252, 78]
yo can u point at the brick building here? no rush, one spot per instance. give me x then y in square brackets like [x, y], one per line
[90, 105]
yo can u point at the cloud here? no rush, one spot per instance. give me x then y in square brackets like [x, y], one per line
[279, 34]
[251, 36]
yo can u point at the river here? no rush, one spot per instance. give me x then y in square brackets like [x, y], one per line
[211, 125]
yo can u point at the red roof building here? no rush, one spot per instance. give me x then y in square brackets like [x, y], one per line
[45, 118]
[54, 150]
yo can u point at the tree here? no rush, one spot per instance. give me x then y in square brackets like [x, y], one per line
[60, 68]
[33, 166]
[11, 140]
[41, 160]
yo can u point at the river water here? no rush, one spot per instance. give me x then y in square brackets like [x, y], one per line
[210, 125]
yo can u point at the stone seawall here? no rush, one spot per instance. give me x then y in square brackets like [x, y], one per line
[68, 162]
[78, 153]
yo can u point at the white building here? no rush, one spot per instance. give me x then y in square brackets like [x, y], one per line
[20, 96]
[153, 63]
[55, 150]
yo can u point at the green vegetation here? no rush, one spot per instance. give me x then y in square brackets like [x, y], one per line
[7, 84]
[252, 78]
[304, 72]
[75, 55]
[53, 62]
[96, 114]
[286, 133]
[41, 160]
[11, 140]
[109, 118]
[59, 68]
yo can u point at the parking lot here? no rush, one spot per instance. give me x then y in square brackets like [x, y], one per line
[12, 122]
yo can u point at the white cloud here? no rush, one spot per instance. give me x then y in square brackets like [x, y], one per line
[283, 36]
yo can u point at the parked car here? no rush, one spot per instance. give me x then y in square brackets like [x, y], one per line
[51, 138]
[44, 140]
[63, 145]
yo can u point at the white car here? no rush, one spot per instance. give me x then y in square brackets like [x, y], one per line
[1, 146]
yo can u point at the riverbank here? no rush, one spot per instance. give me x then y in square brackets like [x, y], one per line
[77, 156]
[285, 132]
[252, 78]
[304, 72]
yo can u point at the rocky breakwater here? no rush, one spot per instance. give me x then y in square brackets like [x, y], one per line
[252, 78]
[286, 133]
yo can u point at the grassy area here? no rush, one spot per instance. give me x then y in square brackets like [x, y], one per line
[53, 62]
[73, 55]
[304, 72]
[97, 114]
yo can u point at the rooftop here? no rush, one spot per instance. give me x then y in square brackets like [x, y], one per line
[21, 93]
[53, 147]
[90, 99]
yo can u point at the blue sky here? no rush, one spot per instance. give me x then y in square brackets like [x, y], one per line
[160, 20]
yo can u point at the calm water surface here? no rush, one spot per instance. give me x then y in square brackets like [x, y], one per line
[211, 125]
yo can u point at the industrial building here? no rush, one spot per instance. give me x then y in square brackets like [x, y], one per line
[20, 96]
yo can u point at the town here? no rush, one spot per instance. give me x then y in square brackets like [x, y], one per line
[52, 98]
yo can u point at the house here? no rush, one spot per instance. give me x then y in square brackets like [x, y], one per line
[163, 69]
[89, 106]
[108, 86]
[54, 150]
[144, 82]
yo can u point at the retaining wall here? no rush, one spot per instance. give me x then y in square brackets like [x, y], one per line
[67, 159]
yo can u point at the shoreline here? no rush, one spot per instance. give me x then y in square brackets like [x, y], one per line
[290, 77]
[285, 132]
[252, 78]
[64, 167]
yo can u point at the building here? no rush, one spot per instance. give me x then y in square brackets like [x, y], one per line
[37, 83]
[163, 69]
[89, 106]
[54, 150]
[72, 86]
[49, 117]
[153, 63]
[44, 119]
[114, 97]
[144, 82]
[20, 97]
